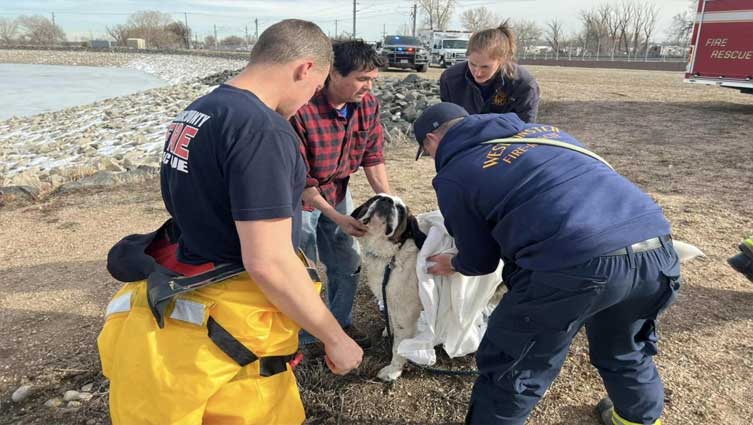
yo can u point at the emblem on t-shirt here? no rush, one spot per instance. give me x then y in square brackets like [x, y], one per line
[179, 135]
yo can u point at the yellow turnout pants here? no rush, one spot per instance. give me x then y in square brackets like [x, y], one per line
[178, 376]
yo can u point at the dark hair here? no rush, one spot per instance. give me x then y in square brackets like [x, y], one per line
[355, 55]
[290, 40]
[498, 43]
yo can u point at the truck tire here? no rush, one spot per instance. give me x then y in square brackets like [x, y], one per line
[422, 68]
[444, 64]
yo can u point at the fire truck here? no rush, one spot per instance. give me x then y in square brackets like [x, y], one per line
[722, 45]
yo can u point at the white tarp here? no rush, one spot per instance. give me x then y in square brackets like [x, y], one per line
[455, 308]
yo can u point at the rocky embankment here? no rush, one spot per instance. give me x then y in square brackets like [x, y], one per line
[120, 139]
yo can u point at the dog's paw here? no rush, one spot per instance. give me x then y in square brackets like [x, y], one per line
[385, 334]
[389, 373]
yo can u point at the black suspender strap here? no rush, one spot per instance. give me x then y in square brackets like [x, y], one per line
[226, 342]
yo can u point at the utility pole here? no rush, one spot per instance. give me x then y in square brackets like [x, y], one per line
[256, 22]
[336, 33]
[216, 42]
[188, 33]
[413, 14]
[384, 30]
[354, 19]
[53, 18]
[247, 40]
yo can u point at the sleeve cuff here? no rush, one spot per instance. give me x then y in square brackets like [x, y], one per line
[283, 211]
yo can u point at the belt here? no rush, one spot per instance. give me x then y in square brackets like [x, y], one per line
[641, 246]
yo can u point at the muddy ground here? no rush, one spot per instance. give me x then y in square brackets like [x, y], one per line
[690, 146]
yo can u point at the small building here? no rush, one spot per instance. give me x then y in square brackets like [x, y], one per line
[136, 43]
[100, 44]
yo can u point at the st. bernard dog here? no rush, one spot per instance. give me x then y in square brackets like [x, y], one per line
[394, 235]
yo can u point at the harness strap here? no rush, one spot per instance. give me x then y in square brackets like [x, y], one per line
[546, 142]
[387, 272]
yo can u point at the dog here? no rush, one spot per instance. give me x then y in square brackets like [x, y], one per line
[394, 237]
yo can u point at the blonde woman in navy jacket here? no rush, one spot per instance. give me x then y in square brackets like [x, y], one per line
[490, 81]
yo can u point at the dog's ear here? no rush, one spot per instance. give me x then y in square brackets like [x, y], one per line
[418, 236]
[361, 211]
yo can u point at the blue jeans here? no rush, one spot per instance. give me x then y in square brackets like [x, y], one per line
[617, 298]
[322, 240]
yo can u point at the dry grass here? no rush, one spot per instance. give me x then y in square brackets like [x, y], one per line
[690, 147]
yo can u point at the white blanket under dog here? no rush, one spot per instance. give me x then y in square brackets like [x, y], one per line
[455, 308]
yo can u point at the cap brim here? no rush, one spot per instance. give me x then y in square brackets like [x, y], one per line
[420, 152]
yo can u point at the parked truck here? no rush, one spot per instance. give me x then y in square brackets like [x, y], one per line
[447, 47]
[722, 45]
[402, 51]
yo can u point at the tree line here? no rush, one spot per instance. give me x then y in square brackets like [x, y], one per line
[625, 28]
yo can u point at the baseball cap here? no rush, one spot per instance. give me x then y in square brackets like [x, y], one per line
[432, 118]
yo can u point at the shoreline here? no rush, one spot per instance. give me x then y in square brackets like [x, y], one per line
[45, 151]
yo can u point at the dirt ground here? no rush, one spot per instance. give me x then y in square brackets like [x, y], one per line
[690, 146]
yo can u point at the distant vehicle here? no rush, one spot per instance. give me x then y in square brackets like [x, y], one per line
[722, 45]
[100, 44]
[136, 43]
[402, 51]
[447, 47]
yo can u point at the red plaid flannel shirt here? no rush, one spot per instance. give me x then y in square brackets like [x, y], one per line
[333, 147]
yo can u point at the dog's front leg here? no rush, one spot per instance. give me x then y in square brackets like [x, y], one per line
[404, 309]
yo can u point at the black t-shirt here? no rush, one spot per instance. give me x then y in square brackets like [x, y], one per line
[229, 157]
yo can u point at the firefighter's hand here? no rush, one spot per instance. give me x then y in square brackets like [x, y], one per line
[350, 225]
[343, 356]
[442, 265]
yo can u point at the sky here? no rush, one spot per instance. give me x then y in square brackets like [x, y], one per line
[82, 19]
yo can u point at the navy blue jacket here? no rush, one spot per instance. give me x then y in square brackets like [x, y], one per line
[542, 207]
[519, 94]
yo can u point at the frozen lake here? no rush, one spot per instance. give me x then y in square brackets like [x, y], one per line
[32, 89]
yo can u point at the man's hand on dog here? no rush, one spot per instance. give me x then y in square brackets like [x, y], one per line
[343, 355]
[442, 265]
[351, 226]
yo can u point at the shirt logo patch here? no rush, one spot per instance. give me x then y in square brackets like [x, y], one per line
[500, 98]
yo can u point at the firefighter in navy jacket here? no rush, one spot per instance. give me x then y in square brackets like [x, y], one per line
[490, 81]
[581, 245]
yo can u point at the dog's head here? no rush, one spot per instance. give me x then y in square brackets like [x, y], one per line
[388, 216]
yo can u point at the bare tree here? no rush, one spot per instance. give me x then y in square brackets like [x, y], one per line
[649, 25]
[232, 41]
[151, 26]
[40, 30]
[8, 30]
[210, 42]
[554, 35]
[478, 19]
[438, 13]
[119, 33]
[682, 25]
[634, 28]
[527, 33]
[181, 33]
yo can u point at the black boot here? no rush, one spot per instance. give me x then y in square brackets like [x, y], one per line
[743, 262]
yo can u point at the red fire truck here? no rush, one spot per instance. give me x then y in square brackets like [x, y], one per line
[722, 45]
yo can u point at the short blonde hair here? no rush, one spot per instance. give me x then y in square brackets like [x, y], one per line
[498, 43]
[290, 40]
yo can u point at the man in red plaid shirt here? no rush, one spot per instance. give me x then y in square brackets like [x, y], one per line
[340, 132]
